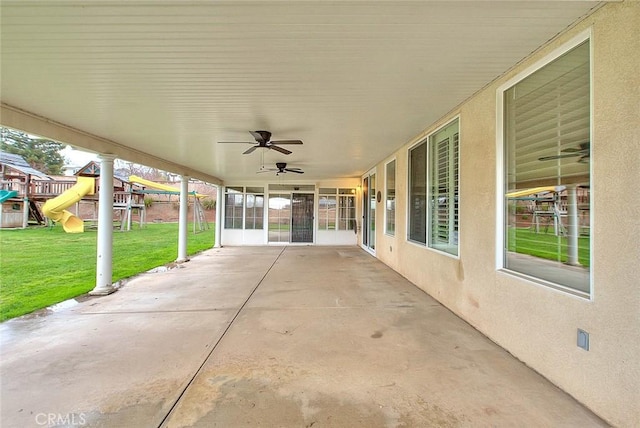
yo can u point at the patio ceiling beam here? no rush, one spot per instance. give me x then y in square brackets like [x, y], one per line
[23, 120]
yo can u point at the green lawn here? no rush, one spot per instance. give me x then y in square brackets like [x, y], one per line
[42, 266]
[546, 245]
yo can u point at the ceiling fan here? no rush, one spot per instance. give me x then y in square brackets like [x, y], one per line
[582, 151]
[281, 168]
[263, 138]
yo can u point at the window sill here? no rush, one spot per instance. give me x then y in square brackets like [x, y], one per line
[546, 284]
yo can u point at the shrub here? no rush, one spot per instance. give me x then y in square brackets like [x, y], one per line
[520, 209]
[209, 204]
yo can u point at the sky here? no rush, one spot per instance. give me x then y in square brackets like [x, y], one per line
[77, 158]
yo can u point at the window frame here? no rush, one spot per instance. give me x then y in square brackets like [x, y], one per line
[339, 195]
[422, 142]
[500, 239]
[456, 194]
[324, 221]
[253, 218]
[345, 194]
[387, 211]
[235, 192]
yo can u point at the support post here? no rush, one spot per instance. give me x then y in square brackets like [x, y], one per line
[25, 212]
[219, 208]
[183, 220]
[104, 267]
[572, 229]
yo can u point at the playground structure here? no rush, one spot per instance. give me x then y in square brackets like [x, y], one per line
[21, 186]
[553, 203]
[56, 208]
[7, 194]
[544, 203]
[30, 196]
[151, 187]
[85, 188]
[548, 206]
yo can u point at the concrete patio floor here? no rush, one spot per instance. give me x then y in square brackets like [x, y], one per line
[270, 337]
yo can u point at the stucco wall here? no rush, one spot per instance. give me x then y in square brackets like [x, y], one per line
[535, 323]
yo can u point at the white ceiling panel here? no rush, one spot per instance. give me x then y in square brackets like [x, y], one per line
[353, 79]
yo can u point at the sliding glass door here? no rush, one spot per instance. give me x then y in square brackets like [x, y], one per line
[369, 212]
[279, 217]
[291, 217]
[302, 217]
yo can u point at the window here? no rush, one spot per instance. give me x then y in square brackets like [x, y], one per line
[418, 193]
[547, 147]
[336, 209]
[443, 189]
[254, 208]
[251, 202]
[327, 209]
[233, 208]
[346, 209]
[390, 199]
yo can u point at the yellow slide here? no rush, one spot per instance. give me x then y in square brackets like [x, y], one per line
[158, 186]
[55, 208]
[152, 184]
[536, 190]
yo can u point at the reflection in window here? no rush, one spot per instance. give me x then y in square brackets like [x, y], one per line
[418, 194]
[254, 211]
[327, 212]
[547, 148]
[337, 209]
[443, 189]
[233, 208]
[279, 217]
[390, 199]
[347, 212]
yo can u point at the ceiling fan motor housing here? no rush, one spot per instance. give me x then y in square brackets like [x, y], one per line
[266, 136]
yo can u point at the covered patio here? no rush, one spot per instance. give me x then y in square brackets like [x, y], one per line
[278, 336]
[409, 125]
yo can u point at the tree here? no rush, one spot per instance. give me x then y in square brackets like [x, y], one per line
[126, 169]
[42, 154]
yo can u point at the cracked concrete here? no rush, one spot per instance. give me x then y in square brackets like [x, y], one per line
[272, 337]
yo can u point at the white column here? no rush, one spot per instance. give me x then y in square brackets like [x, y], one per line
[104, 268]
[183, 220]
[25, 212]
[573, 227]
[219, 208]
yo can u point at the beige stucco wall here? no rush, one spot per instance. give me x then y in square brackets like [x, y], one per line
[537, 324]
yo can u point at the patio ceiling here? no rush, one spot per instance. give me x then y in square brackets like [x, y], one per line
[354, 80]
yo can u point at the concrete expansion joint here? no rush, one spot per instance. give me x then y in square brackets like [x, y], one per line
[215, 345]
